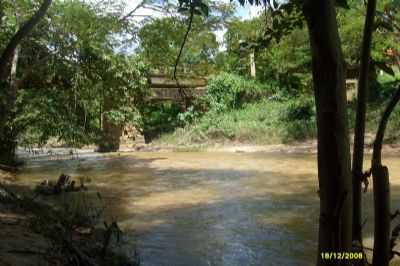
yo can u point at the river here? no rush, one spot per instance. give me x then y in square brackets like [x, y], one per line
[209, 208]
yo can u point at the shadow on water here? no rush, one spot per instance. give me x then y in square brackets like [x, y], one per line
[227, 210]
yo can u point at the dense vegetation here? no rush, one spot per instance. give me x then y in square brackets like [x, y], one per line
[69, 77]
[96, 79]
[245, 111]
[283, 72]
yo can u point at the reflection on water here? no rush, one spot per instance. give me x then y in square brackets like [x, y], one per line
[207, 208]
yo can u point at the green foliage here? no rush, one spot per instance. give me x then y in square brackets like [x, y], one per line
[298, 109]
[159, 118]
[188, 116]
[285, 65]
[298, 119]
[229, 91]
[71, 76]
[161, 39]
[89, 80]
[257, 123]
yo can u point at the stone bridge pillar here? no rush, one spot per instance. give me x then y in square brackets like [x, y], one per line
[111, 133]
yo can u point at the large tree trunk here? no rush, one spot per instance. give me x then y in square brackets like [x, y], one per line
[7, 138]
[8, 86]
[358, 149]
[335, 224]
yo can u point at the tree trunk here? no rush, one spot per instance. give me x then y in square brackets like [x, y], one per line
[380, 176]
[8, 145]
[334, 174]
[18, 37]
[8, 89]
[358, 149]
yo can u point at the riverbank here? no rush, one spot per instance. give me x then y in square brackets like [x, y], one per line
[305, 147]
[266, 122]
[55, 230]
[299, 147]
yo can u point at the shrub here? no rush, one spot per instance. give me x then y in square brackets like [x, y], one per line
[229, 91]
[298, 130]
[262, 122]
[298, 109]
[188, 116]
[298, 119]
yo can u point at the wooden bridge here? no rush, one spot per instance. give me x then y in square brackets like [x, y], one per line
[164, 88]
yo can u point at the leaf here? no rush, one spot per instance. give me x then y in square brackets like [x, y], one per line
[383, 24]
[383, 21]
[204, 8]
[384, 67]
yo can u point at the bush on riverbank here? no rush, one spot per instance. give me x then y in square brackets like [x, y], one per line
[228, 91]
[263, 122]
[242, 110]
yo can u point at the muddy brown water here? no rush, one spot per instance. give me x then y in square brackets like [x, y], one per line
[210, 208]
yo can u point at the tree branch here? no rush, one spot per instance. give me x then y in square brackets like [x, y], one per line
[377, 149]
[359, 131]
[132, 12]
[21, 34]
[380, 177]
[181, 91]
[184, 41]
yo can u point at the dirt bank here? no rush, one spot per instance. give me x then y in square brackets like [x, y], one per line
[40, 232]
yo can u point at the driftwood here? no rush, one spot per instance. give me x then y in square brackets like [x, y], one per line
[63, 184]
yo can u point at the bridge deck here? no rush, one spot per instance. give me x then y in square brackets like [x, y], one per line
[164, 88]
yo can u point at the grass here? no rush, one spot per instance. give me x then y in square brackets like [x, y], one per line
[255, 123]
[263, 123]
[279, 119]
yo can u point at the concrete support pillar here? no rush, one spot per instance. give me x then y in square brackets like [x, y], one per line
[252, 65]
